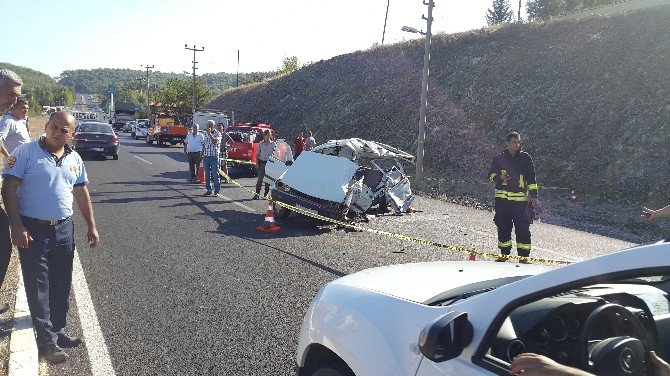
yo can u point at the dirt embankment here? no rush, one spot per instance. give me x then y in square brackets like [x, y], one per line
[591, 97]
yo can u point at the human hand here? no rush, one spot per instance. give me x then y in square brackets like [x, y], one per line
[529, 364]
[93, 237]
[10, 161]
[20, 236]
[647, 214]
[661, 368]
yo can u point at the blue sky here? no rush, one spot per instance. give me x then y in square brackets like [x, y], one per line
[52, 36]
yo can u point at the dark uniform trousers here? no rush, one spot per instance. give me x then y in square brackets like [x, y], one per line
[47, 275]
[508, 214]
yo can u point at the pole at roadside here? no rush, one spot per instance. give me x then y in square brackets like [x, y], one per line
[424, 93]
[148, 92]
[194, 49]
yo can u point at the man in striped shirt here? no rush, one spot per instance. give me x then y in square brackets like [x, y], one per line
[210, 163]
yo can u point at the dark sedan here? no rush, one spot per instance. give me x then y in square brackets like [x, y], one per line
[96, 138]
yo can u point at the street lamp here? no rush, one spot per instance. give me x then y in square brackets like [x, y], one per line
[424, 88]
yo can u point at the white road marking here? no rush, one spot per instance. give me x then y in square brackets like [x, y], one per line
[142, 159]
[238, 203]
[23, 359]
[98, 355]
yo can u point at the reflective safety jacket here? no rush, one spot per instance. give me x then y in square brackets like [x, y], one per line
[520, 169]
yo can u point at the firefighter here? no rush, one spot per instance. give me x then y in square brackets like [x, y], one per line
[513, 173]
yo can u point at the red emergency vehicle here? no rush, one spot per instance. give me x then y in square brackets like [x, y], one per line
[244, 146]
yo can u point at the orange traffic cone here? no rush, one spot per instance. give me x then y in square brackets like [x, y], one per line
[472, 257]
[201, 174]
[269, 224]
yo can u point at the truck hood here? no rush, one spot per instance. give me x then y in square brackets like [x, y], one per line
[429, 281]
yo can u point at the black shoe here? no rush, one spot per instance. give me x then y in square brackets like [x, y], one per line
[67, 342]
[52, 353]
[4, 308]
[208, 193]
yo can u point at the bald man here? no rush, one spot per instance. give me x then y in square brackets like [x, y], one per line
[51, 176]
[10, 91]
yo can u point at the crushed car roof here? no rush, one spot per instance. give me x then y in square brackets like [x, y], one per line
[356, 148]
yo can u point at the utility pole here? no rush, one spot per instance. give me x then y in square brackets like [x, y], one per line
[388, 2]
[148, 92]
[237, 79]
[518, 16]
[424, 92]
[194, 49]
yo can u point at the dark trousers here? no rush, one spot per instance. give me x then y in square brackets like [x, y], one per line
[194, 163]
[261, 175]
[512, 214]
[47, 275]
[5, 244]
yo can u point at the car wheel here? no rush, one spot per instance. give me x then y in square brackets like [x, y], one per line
[281, 213]
[133, 135]
[149, 140]
[115, 157]
[331, 370]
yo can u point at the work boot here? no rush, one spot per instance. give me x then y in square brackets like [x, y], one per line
[67, 342]
[52, 353]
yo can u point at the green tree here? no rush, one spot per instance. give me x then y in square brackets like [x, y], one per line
[289, 65]
[178, 93]
[499, 12]
[543, 9]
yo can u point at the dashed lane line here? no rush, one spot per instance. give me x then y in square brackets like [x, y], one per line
[98, 354]
[142, 159]
[238, 204]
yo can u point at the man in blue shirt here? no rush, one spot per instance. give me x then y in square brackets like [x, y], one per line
[39, 190]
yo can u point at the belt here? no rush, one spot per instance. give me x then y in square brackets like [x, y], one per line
[44, 221]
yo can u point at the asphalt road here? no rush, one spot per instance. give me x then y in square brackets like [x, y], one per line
[184, 285]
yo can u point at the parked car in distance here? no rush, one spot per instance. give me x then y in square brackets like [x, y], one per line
[129, 126]
[96, 138]
[601, 315]
[144, 123]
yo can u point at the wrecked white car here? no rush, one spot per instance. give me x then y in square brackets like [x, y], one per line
[342, 179]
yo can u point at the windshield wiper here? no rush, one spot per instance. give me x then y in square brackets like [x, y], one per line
[465, 295]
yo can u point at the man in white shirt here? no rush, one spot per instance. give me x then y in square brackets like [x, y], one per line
[13, 128]
[193, 146]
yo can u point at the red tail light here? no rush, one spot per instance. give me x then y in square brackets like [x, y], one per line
[79, 137]
[114, 139]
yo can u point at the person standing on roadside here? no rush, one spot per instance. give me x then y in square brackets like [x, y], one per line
[264, 152]
[193, 145]
[211, 162]
[225, 138]
[310, 142]
[13, 128]
[298, 145]
[10, 91]
[39, 190]
[513, 173]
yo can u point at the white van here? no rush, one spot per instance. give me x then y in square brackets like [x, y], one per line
[201, 119]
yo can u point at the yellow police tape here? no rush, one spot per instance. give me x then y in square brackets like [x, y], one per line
[454, 248]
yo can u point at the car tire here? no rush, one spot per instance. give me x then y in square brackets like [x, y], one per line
[133, 135]
[149, 140]
[115, 157]
[281, 213]
[331, 370]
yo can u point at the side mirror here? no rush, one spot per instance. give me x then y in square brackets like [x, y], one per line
[446, 337]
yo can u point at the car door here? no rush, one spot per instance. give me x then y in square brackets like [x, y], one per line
[488, 313]
[278, 163]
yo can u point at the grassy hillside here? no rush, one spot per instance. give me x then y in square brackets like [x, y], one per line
[590, 95]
